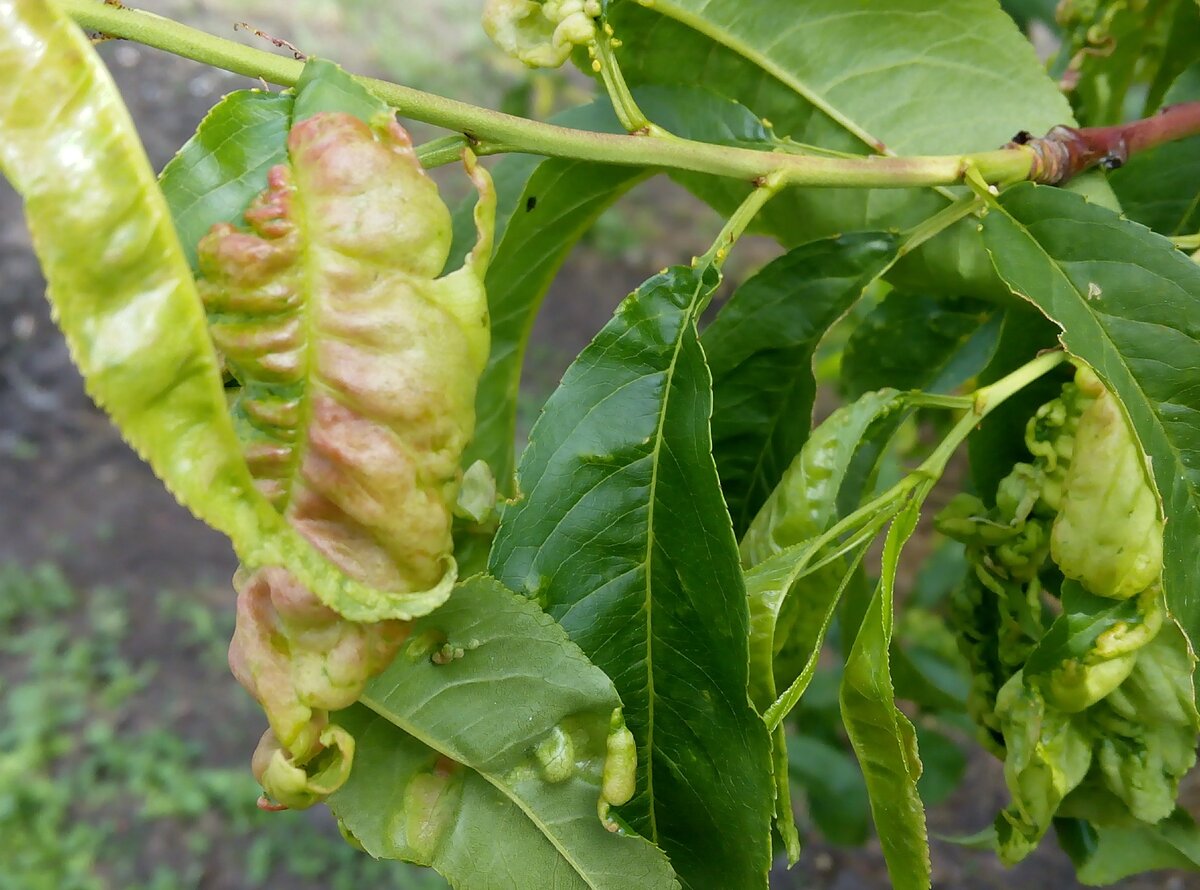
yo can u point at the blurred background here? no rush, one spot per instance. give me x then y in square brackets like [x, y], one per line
[124, 741]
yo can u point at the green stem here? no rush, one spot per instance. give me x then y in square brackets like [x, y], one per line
[736, 225]
[493, 131]
[1186, 242]
[982, 402]
[938, 223]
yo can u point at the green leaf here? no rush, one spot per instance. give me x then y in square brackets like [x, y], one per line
[785, 816]
[1103, 856]
[623, 537]
[882, 736]
[1169, 203]
[324, 86]
[485, 752]
[843, 75]
[1126, 302]
[549, 205]
[805, 502]
[793, 598]
[1182, 50]
[224, 166]
[918, 342]
[760, 349]
[545, 206]
[124, 296]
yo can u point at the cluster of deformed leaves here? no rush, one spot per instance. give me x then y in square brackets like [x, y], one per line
[680, 617]
[1081, 682]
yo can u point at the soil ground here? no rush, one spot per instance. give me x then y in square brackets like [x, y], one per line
[73, 495]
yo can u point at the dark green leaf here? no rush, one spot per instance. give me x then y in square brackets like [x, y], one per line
[545, 206]
[1182, 50]
[484, 754]
[549, 208]
[760, 349]
[1129, 305]
[916, 342]
[622, 535]
[1026, 11]
[1160, 188]
[224, 165]
[882, 736]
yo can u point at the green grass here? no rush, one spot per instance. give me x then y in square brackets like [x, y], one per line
[101, 785]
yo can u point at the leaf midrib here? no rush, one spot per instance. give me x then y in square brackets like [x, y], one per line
[655, 454]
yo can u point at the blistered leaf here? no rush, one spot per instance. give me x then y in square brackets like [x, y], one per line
[491, 751]
[804, 503]
[224, 166]
[357, 365]
[623, 537]
[540, 33]
[123, 294]
[1107, 535]
[1126, 302]
[1047, 756]
[1105, 855]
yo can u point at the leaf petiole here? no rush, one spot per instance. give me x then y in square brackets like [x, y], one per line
[736, 225]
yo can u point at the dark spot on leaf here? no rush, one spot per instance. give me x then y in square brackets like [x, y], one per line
[531, 203]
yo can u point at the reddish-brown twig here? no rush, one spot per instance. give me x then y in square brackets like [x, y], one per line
[1065, 152]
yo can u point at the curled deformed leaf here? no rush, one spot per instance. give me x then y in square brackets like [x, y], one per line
[540, 33]
[357, 370]
[357, 365]
[1108, 534]
[301, 660]
[124, 295]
